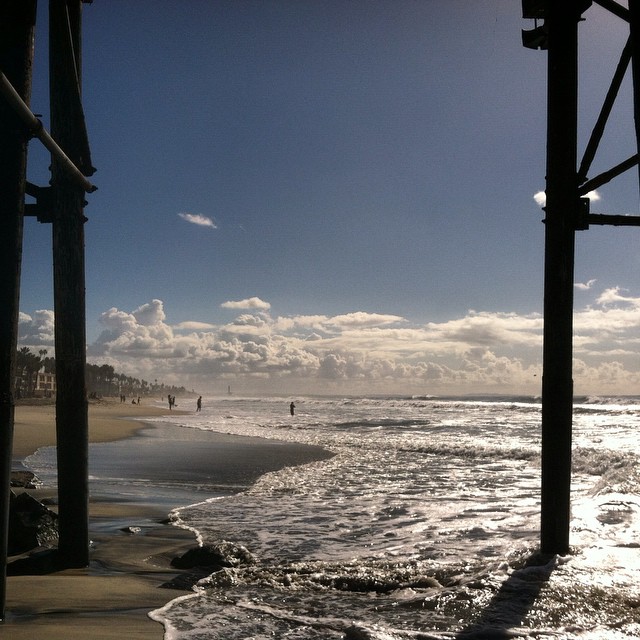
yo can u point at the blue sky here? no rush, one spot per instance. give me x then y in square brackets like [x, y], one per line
[333, 196]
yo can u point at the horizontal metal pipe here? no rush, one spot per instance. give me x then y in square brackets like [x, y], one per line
[36, 127]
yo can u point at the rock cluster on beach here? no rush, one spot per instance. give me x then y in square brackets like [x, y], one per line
[31, 524]
[214, 557]
[25, 479]
[206, 560]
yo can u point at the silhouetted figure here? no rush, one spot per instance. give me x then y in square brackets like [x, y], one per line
[199, 404]
[292, 408]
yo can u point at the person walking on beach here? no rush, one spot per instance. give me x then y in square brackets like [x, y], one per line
[292, 408]
[199, 404]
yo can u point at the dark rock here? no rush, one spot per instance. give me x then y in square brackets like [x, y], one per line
[25, 479]
[214, 557]
[357, 633]
[182, 582]
[132, 530]
[31, 524]
[224, 578]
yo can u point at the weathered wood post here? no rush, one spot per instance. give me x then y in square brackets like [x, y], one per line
[72, 429]
[562, 209]
[17, 20]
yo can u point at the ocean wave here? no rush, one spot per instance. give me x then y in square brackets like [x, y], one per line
[468, 453]
[599, 462]
[383, 423]
[620, 401]
[607, 409]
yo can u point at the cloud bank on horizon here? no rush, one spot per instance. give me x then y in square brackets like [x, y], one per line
[360, 352]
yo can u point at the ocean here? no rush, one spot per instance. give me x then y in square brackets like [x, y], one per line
[423, 524]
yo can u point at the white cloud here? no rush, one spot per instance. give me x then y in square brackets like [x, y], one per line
[150, 313]
[585, 286]
[37, 330]
[198, 219]
[613, 296]
[247, 303]
[192, 325]
[140, 333]
[362, 319]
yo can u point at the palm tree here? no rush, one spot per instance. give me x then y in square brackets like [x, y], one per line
[27, 366]
[107, 374]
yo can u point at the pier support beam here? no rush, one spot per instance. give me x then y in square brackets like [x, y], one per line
[72, 428]
[17, 20]
[562, 211]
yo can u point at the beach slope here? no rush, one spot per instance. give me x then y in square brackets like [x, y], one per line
[112, 597]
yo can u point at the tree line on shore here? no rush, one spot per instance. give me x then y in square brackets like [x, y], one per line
[102, 380]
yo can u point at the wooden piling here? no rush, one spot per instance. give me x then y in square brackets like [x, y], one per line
[17, 20]
[72, 427]
[561, 214]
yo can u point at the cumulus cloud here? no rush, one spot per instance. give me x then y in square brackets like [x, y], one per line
[142, 332]
[36, 330]
[150, 313]
[198, 219]
[247, 303]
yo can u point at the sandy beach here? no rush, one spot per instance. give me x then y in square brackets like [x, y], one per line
[112, 597]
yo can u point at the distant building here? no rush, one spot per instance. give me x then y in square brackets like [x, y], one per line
[45, 385]
[41, 384]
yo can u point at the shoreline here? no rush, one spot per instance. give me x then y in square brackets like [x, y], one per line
[113, 596]
[109, 420]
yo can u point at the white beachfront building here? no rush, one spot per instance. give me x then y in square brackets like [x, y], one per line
[41, 385]
[45, 384]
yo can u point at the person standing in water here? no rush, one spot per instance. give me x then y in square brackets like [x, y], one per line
[199, 404]
[292, 408]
